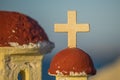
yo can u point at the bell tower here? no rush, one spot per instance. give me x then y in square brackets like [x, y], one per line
[23, 62]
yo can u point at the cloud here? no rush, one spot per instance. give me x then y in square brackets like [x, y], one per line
[110, 72]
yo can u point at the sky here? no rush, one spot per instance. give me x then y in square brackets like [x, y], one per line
[102, 43]
[109, 72]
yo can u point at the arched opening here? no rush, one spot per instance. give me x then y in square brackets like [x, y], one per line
[21, 75]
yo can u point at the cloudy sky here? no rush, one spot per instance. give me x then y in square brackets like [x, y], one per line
[102, 43]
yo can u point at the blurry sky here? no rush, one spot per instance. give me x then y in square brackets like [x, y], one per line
[102, 43]
[109, 72]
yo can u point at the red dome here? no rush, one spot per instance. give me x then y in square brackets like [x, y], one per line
[71, 60]
[17, 27]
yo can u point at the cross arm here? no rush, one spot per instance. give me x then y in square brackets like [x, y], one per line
[82, 27]
[61, 27]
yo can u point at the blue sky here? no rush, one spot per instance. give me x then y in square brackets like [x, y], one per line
[102, 43]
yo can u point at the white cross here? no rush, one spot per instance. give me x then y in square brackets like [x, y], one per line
[72, 28]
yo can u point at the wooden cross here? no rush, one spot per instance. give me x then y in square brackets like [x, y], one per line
[72, 28]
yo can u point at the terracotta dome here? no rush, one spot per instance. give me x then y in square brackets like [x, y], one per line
[17, 27]
[71, 60]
